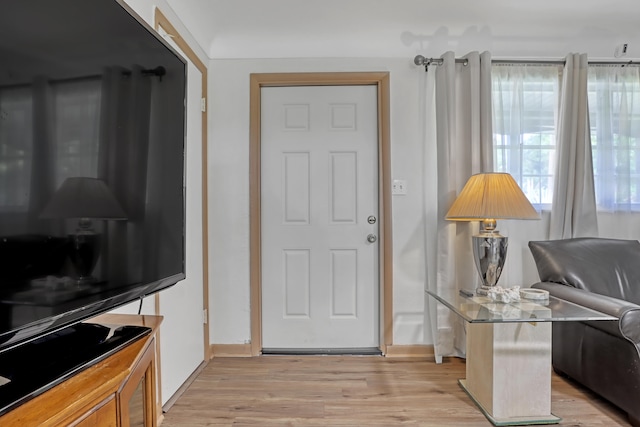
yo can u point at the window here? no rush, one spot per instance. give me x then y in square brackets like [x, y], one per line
[77, 111]
[71, 109]
[16, 141]
[614, 115]
[525, 102]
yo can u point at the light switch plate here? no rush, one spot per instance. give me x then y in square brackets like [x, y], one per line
[399, 186]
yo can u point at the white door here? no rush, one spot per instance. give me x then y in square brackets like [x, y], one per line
[319, 210]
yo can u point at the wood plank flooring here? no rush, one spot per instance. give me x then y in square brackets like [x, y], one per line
[354, 391]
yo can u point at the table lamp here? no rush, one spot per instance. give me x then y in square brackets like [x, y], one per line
[487, 197]
[86, 199]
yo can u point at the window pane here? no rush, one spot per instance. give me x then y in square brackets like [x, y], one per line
[614, 113]
[74, 116]
[77, 128]
[16, 141]
[525, 100]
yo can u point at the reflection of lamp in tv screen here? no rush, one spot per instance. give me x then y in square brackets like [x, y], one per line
[86, 199]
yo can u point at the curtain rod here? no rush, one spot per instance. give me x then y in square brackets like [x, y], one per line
[421, 60]
[146, 72]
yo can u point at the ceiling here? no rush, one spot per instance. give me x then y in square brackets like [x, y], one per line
[398, 28]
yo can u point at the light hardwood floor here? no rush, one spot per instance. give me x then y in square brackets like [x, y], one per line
[354, 391]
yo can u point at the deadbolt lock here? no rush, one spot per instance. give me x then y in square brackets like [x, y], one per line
[371, 219]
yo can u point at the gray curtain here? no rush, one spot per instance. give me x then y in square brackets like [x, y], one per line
[122, 159]
[42, 173]
[573, 210]
[461, 111]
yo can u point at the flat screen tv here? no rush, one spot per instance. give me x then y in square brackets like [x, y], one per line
[92, 129]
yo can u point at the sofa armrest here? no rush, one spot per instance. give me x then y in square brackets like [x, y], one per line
[628, 324]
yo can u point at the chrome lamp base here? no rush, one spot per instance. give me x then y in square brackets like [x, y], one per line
[489, 254]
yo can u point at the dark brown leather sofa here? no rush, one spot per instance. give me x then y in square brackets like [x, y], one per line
[603, 274]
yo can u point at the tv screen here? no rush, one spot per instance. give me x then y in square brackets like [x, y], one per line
[92, 126]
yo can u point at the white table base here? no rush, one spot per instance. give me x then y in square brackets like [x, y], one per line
[509, 372]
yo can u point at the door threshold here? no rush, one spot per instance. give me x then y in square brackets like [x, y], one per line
[360, 351]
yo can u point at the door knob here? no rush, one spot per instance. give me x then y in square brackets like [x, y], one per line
[371, 238]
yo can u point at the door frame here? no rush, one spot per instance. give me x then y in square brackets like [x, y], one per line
[385, 265]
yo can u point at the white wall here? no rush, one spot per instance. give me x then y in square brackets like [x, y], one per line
[229, 196]
[224, 31]
[229, 191]
[146, 10]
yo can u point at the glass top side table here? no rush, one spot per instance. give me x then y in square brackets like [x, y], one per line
[481, 309]
[508, 369]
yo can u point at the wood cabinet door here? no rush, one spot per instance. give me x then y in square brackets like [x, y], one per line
[106, 415]
[137, 396]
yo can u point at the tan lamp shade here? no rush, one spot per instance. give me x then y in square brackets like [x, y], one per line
[84, 197]
[491, 196]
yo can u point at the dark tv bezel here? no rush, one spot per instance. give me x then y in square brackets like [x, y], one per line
[126, 294]
[51, 324]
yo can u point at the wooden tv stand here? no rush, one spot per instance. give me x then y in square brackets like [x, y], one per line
[118, 391]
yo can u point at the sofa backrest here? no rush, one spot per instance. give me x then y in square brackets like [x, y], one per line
[604, 266]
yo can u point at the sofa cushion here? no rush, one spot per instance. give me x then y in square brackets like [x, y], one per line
[603, 266]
